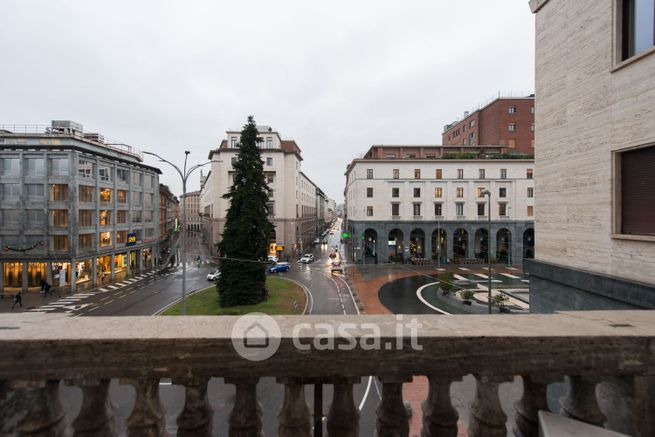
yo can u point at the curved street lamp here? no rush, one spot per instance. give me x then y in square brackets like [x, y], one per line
[184, 175]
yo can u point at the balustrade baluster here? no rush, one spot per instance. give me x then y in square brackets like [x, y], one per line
[148, 416]
[195, 419]
[580, 401]
[343, 417]
[487, 416]
[32, 408]
[392, 420]
[97, 414]
[246, 416]
[294, 419]
[439, 415]
[527, 408]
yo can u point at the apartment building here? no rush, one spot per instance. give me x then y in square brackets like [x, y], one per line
[75, 207]
[436, 208]
[292, 200]
[169, 213]
[595, 139]
[192, 202]
[505, 121]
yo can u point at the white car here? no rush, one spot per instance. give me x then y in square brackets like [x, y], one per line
[272, 259]
[306, 259]
[213, 276]
[317, 241]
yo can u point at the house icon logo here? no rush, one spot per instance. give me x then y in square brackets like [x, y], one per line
[256, 336]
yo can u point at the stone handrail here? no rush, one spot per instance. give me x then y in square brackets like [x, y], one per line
[616, 348]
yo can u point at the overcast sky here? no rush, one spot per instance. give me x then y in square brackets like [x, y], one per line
[337, 76]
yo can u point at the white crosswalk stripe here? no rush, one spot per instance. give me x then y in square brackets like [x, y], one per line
[113, 287]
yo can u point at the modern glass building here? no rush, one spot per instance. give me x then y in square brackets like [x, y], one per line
[74, 208]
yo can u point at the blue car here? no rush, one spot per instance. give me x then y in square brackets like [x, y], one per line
[279, 268]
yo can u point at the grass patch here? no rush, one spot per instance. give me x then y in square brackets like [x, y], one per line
[282, 294]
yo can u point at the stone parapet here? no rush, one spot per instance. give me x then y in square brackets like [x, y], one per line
[615, 349]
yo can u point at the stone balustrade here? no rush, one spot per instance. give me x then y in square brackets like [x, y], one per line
[607, 357]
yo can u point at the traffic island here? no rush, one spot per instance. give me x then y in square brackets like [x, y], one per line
[285, 298]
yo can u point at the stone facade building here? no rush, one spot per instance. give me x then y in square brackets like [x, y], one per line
[595, 140]
[75, 208]
[506, 121]
[292, 200]
[169, 213]
[434, 208]
[192, 202]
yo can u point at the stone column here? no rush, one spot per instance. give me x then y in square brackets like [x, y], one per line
[487, 416]
[450, 242]
[580, 401]
[112, 267]
[139, 260]
[24, 276]
[73, 274]
[97, 414]
[392, 419]
[2, 275]
[129, 264]
[148, 416]
[294, 419]
[427, 243]
[32, 408]
[196, 417]
[527, 408]
[470, 242]
[517, 244]
[246, 416]
[343, 417]
[439, 415]
[94, 271]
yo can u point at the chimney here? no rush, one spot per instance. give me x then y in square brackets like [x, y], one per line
[466, 114]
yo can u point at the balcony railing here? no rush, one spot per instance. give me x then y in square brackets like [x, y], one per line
[612, 349]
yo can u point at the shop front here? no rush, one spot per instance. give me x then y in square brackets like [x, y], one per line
[120, 262]
[84, 271]
[13, 276]
[104, 268]
[134, 261]
[61, 274]
[147, 258]
[36, 272]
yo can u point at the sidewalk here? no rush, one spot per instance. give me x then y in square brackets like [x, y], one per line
[33, 300]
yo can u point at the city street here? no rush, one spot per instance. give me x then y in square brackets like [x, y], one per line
[329, 294]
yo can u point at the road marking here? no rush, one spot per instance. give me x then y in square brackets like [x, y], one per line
[102, 289]
[525, 280]
[419, 294]
[509, 275]
[464, 269]
[460, 277]
[481, 275]
[310, 298]
[113, 287]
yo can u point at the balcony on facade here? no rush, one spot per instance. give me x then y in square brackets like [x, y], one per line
[605, 357]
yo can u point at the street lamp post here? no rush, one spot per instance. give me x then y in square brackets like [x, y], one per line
[488, 193]
[184, 175]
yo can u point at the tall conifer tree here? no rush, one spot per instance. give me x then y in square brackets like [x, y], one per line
[247, 228]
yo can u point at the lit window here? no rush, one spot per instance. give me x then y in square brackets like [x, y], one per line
[460, 192]
[438, 192]
[530, 211]
[105, 195]
[438, 174]
[481, 191]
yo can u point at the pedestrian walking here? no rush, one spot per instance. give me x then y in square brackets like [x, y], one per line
[43, 284]
[18, 299]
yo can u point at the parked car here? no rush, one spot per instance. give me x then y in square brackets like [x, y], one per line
[213, 276]
[272, 259]
[307, 258]
[279, 268]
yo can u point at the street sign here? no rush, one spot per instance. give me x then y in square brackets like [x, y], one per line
[279, 247]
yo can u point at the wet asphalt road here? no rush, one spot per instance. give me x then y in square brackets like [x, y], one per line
[329, 295]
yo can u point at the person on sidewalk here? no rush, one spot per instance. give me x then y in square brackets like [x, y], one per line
[43, 284]
[18, 299]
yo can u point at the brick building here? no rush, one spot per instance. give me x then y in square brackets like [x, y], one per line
[507, 122]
